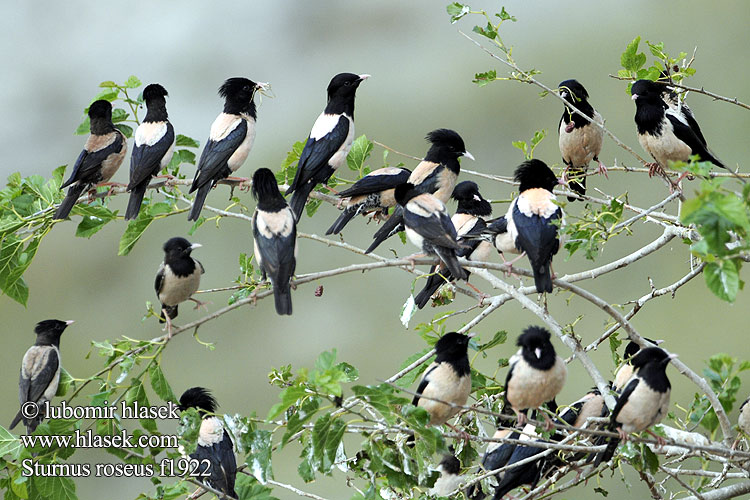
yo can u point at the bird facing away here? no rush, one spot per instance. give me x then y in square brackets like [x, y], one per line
[468, 218]
[527, 474]
[178, 278]
[154, 141]
[429, 227]
[40, 371]
[436, 175]
[102, 155]
[373, 192]
[532, 218]
[625, 371]
[214, 443]
[643, 402]
[667, 133]
[275, 238]
[536, 374]
[329, 141]
[448, 379]
[230, 140]
[580, 140]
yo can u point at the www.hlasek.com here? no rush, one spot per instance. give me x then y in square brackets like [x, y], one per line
[88, 439]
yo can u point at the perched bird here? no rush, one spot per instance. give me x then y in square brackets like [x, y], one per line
[590, 405]
[329, 142]
[531, 220]
[643, 402]
[625, 371]
[275, 238]
[373, 192]
[448, 378]
[450, 478]
[178, 278]
[215, 450]
[580, 140]
[498, 454]
[536, 373]
[436, 175]
[429, 227]
[468, 217]
[40, 371]
[527, 474]
[495, 232]
[743, 420]
[230, 140]
[667, 133]
[102, 155]
[154, 141]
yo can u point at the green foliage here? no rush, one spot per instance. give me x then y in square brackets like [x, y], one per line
[528, 149]
[633, 63]
[594, 228]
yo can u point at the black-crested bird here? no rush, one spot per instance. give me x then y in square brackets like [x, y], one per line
[178, 278]
[667, 132]
[536, 374]
[495, 232]
[329, 141]
[580, 140]
[102, 155]
[373, 192]
[625, 371]
[532, 217]
[215, 450]
[429, 227]
[643, 402]
[468, 217]
[40, 372]
[447, 379]
[498, 454]
[527, 474]
[154, 141]
[450, 478]
[275, 238]
[436, 175]
[230, 140]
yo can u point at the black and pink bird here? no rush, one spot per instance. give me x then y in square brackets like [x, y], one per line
[154, 141]
[329, 142]
[230, 140]
[275, 238]
[102, 155]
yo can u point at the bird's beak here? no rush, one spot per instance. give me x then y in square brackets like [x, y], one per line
[635, 96]
[468, 155]
[69, 322]
[538, 353]
[477, 198]
[658, 341]
[472, 334]
[262, 85]
[564, 94]
[364, 77]
[671, 357]
[195, 245]
[560, 182]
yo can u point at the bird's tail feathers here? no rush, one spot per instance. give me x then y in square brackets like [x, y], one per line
[200, 199]
[434, 282]
[342, 221]
[69, 201]
[393, 225]
[448, 255]
[171, 312]
[608, 453]
[542, 278]
[282, 297]
[299, 199]
[136, 199]
[578, 184]
[16, 419]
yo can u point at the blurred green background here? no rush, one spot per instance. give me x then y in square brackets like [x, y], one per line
[56, 53]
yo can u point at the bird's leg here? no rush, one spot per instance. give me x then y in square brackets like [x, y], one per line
[601, 169]
[654, 168]
[168, 326]
[548, 423]
[465, 436]
[509, 263]
[623, 435]
[660, 441]
[199, 304]
[521, 417]
[412, 258]
[482, 296]
[331, 190]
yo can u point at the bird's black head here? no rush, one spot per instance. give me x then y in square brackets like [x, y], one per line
[632, 348]
[48, 332]
[470, 201]
[536, 348]
[650, 355]
[266, 191]
[199, 398]
[535, 174]
[573, 92]
[238, 95]
[178, 248]
[646, 90]
[651, 365]
[100, 109]
[404, 192]
[446, 147]
[341, 92]
[154, 92]
[453, 348]
[450, 465]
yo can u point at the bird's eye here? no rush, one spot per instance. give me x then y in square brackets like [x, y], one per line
[347, 83]
[246, 87]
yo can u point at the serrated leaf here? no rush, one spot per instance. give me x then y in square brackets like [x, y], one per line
[55, 488]
[288, 397]
[84, 127]
[457, 11]
[499, 338]
[89, 226]
[631, 60]
[160, 384]
[9, 444]
[133, 82]
[248, 488]
[723, 279]
[358, 154]
[133, 233]
[189, 142]
[259, 457]
[127, 130]
[482, 79]
[65, 382]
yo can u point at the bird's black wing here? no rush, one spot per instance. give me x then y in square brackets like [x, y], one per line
[687, 113]
[376, 183]
[500, 456]
[224, 451]
[89, 161]
[537, 236]
[216, 154]
[146, 160]
[39, 383]
[471, 244]
[687, 135]
[423, 384]
[316, 153]
[278, 251]
[437, 228]
[159, 282]
[507, 380]
[622, 400]
[528, 474]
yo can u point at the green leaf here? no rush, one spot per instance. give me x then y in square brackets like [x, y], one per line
[84, 127]
[134, 232]
[9, 444]
[89, 226]
[133, 82]
[457, 11]
[358, 154]
[483, 79]
[650, 460]
[327, 434]
[488, 31]
[499, 338]
[107, 94]
[125, 129]
[119, 115]
[312, 207]
[248, 488]
[159, 383]
[288, 397]
[631, 60]
[189, 142]
[55, 488]
[259, 457]
[723, 279]
[65, 382]
[108, 83]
